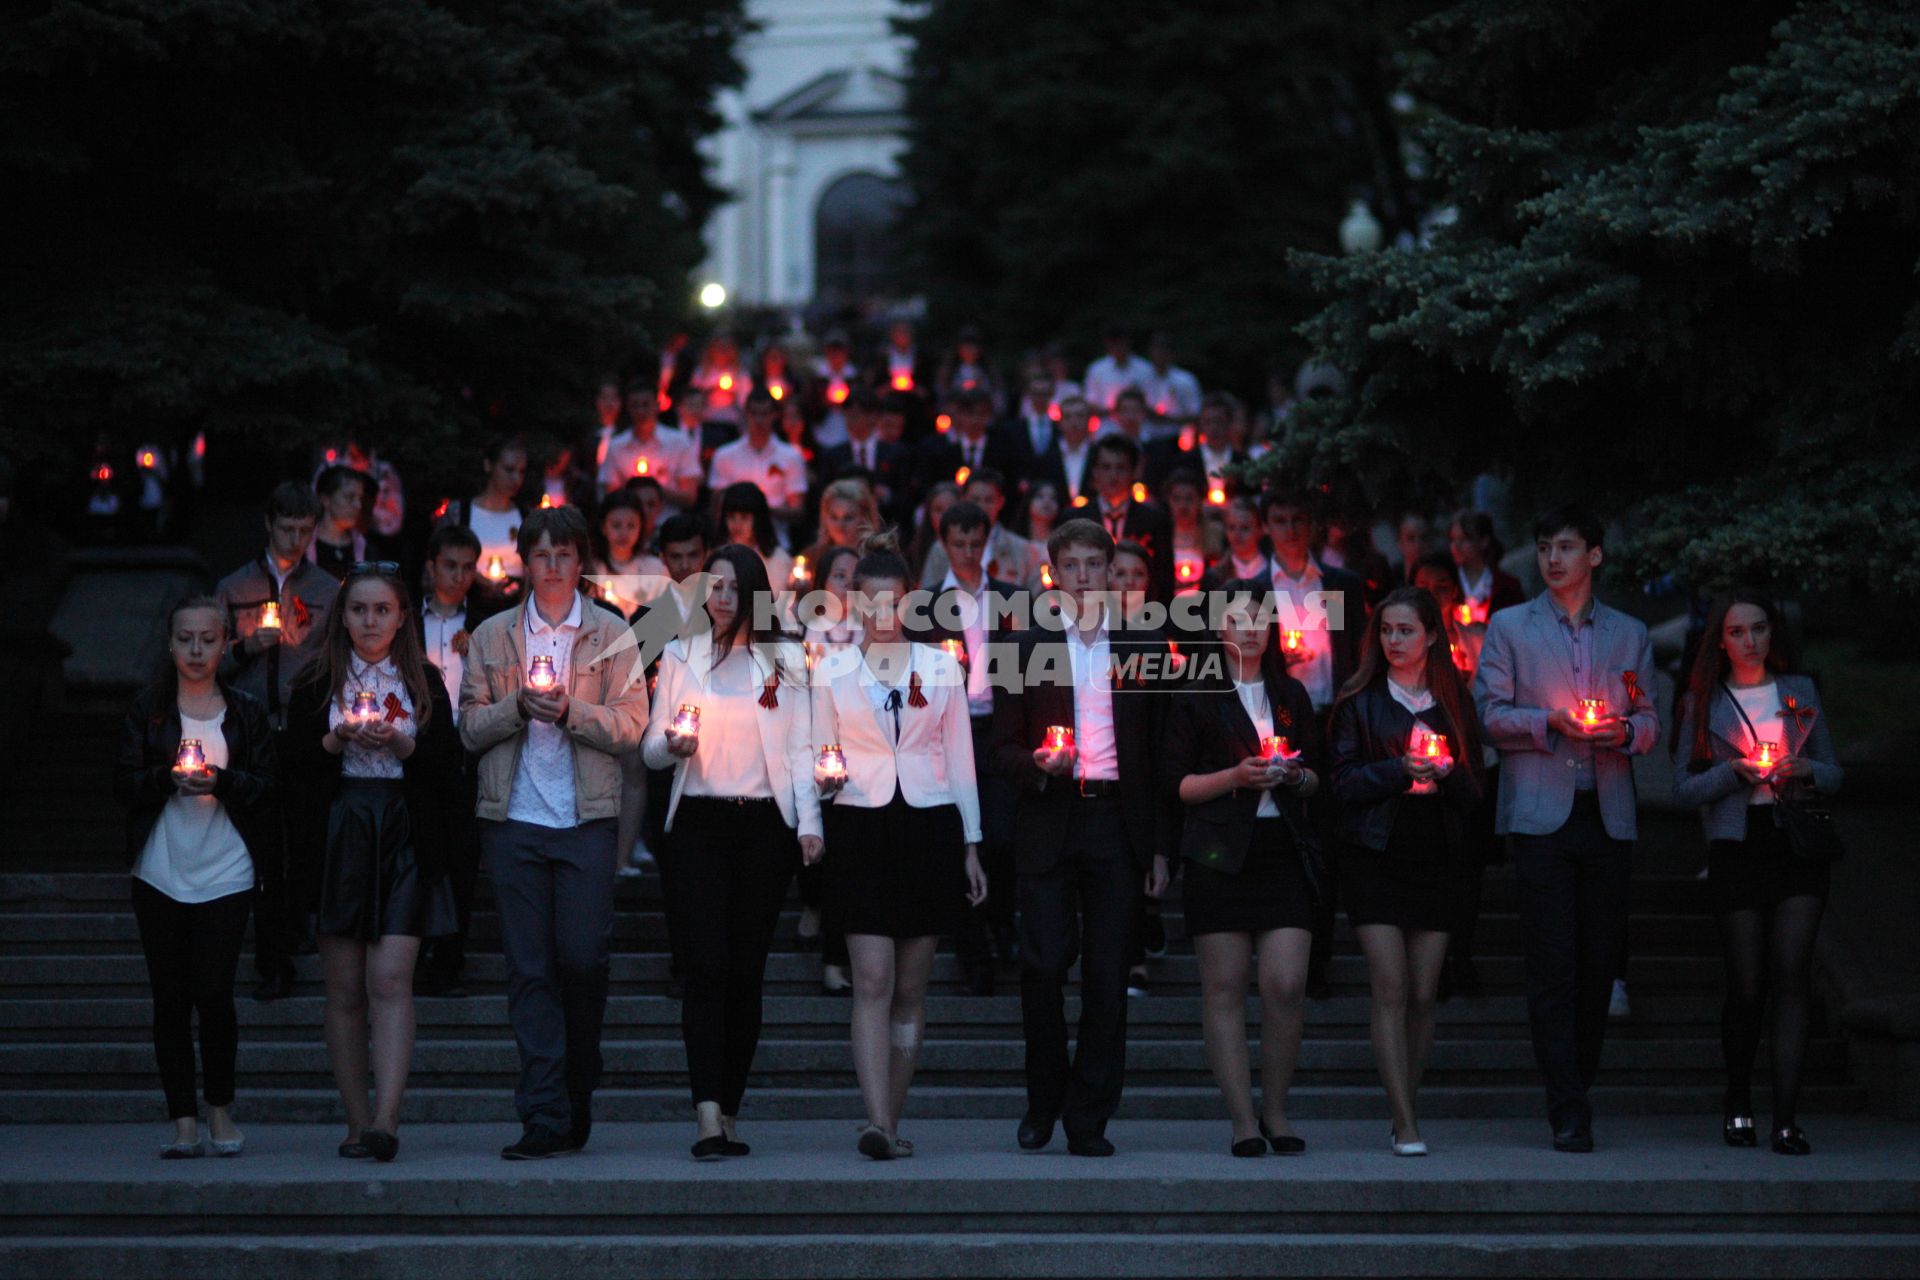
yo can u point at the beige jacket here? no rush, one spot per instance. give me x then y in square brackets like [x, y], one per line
[607, 714]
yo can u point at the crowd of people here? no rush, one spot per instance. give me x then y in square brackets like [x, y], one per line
[348, 729]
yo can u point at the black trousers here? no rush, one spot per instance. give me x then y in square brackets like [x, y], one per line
[1575, 886]
[1085, 907]
[192, 951]
[730, 865]
[285, 894]
[449, 955]
[993, 918]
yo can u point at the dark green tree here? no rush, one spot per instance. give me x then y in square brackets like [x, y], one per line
[1079, 161]
[1681, 284]
[385, 216]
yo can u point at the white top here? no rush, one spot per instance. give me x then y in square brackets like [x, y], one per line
[543, 789]
[1478, 590]
[383, 680]
[1174, 394]
[1099, 753]
[672, 458]
[194, 853]
[1074, 463]
[1762, 705]
[973, 627]
[731, 761]
[1316, 670]
[499, 533]
[779, 469]
[880, 691]
[439, 630]
[1106, 379]
[1253, 696]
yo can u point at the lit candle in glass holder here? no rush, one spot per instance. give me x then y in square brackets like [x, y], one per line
[1217, 495]
[961, 475]
[496, 571]
[641, 466]
[541, 676]
[1277, 747]
[191, 758]
[1059, 738]
[1139, 492]
[1293, 643]
[365, 707]
[1186, 571]
[831, 766]
[1764, 756]
[798, 578]
[1046, 577]
[1592, 711]
[956, 649]
[270, 616]
[903, 381]
[813, 649]
[686, 722]
[1463, 614]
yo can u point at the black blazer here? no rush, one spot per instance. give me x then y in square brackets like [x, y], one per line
[892, 467]
[248, 786]
[1370, 735]
[1209, 730]
[942, 455]
[1149, 525]
[1021, 715]
[430, 783]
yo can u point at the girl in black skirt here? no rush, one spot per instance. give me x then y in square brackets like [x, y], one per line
[1769, 901]
[903, 831]
[1406, 773]
[1249, 861]
[372, 744]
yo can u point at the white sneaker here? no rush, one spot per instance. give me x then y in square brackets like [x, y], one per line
[1619, 1006]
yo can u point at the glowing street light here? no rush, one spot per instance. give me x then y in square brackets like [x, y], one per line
[713, 295]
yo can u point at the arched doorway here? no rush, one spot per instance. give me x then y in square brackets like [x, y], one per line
[853, 252]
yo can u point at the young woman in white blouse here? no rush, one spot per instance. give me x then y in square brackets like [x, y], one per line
[371, 741]
[730, 718]
[195, 772]
[904, 824]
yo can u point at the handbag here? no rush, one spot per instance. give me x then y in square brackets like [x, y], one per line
[1797, 811]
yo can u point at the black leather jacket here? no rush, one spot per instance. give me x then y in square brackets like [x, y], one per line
[1370, 733]
[248, 787]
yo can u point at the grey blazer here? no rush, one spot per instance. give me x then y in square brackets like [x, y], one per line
[1716, 789]
[1525, 674]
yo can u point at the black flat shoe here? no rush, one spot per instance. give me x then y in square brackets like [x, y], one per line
[538, 1142]
[1577, 1139]
[1283, 1144]
[355, 1151]
[1035, 1133]
[735, 1147]
[381, 1144]
[1791, 1140]
[1739, 1131]
[874, 1144]
[1247, 1147]
[710, 1149]
[1089, 1144]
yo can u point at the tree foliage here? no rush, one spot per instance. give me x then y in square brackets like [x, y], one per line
[392, 217]
[1681, 284]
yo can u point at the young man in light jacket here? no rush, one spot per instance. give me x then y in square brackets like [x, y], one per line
[549, 803]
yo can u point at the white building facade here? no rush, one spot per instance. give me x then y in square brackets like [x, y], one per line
[809, 154]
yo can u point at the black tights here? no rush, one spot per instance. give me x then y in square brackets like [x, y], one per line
[192, 951]
[1769, 952]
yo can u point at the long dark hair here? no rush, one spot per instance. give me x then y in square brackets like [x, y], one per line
[745, 496]
[331, 666]
[619, 500]
[750, 578]
[1273, 662]
[1710, 663]
[166, 677]
[1443, 678]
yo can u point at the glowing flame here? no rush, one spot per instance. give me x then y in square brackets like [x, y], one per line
[1139, 492]
[960, 476]
[641, 466]
[1079, 499]
[1217, 495]
[496, 571]
[837, 391]
[726, 382]
[903, 382]
[943, 423]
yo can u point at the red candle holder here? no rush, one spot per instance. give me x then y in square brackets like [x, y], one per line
[1059, 738]
[1277, 747]
[1592, 711]
[1765, 755]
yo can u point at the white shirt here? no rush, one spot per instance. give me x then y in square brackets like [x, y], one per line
[779, 469]
[1074, 463]
[1173, 395]
[440, 629]
[499, 534]
[1762, 705]
[195, 853]
[1215, 461]
[730, 761]
[1099, 752]
[879, 691]
[1480, 590]
[543, 790]
[1106, 379]
[1316, 671]
[973, 626]
[1253, 696]
[383, 681]
[1247, 570]
[672, 459]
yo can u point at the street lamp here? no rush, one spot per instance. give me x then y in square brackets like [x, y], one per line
[713, 295]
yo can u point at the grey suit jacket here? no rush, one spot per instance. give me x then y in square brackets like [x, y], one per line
[1525, 674]
[1717, 789]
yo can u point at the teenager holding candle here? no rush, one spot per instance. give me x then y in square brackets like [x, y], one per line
[1486, 588]
[1091, 831]
[1768, 897]
[1567, 798]
[1242, 756]
[905, 826]
[346, 496]
[370, 737]
[495, 515]
[1406, 749]
[195, 772]
[731, 718]
[646, 448]
[550, 788]
[624, 534]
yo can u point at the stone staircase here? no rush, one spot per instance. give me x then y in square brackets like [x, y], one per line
[1663, 1197]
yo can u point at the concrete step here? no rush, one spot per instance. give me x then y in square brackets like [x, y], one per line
[434, 1104]
[823, 1062]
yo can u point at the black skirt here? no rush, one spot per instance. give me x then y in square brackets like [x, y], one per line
[1270, 891]
[1415, 883]
[896, 871]
[1760, 872]
[370, 881]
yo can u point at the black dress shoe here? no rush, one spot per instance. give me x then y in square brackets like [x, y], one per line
[539, 1143]
[1035, 1133]
[1089, 1144]
[708, 1149]
[735, 1147]
[1283, 1144]
[275, 986]
[1577, 1138]
[1739, 1131]
[355, 1151]
[384, 1146]
[1249, 1147]
[1790, 1140]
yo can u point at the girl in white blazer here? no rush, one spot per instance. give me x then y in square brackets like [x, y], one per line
[742, 787]
[904, 828]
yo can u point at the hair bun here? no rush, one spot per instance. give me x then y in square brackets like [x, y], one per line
[880, 542]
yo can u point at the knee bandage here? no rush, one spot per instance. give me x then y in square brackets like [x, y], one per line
[906, 1036]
